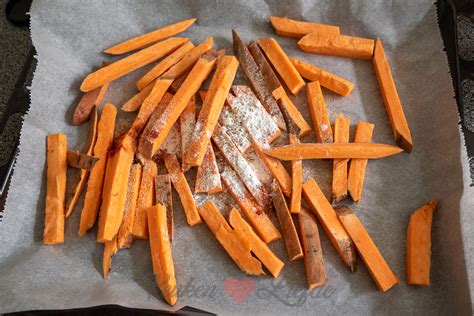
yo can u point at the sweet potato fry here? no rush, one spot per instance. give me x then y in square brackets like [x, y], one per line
[130, 63]
[182, 187]
[337, 45]
[339, 166]
[284, 100]
[187, 120]
[397, 118]
[282, 64]
[164, 196]
[277, 170]
[355, 181]
[419, 245]
[296, 179]
[105, 136]
[258, 247]
[149, 38]
[290, 235]
[207, 178]
[332, 226]
[319, 115]
[375, 263]
[78, 160]
[135, 102]
[110, 249]
[55, 190]
[326, 79]
[333, 151]
[297, 29]
[235, 129]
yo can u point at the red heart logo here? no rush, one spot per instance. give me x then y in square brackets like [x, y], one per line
[239, 290]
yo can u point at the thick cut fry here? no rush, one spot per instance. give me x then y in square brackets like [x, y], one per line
[333, 151]
[55, 189]
[373, 260]
[146, 198]
[277, 170]
[161, 253]
[234, 242]
[397, 118]
[296, 180]
[125, 233]
[105, 136]
[235, 129]
[78, 160]
[187, 120]
[419, 245]
[114, 193]
[355, 181]
[290, 235]
[332, 226]
[258, 247]
[252, 211]
[284, 100]
[157, 129]
[110, 249]
[164, 65]
[130, 63]
[326, 79]
[135, 102]
[149, 38]
[182, 187]
[313, 253]
[337, 45]
[177, 83]
[339, 166]
[211, 109]
[282, 64]
[294, 28]
[319, 115]
[164, 196]
[207, 178]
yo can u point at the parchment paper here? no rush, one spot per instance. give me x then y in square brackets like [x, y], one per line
[69, 36]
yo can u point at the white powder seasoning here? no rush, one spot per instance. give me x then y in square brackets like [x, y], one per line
[234, 128]
[172, 143]
[208, 178]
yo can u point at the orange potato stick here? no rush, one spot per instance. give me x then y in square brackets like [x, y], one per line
[135, 102]
[356, 176]
[164, 65]
[319, 115]
[333, 151]
[235, 129]
[55, 189]
[161, 253]
[258, 247]
[339, 166]
[373, 260]
[78, 160]
[234, 242]
[332, 226]
[337, 45]
[164, 196]
[177, 83]
[187, 120]
[419, 245]
[114, 192]
[211, 109]
[110, 249]
[290, 235]
[182, 187]
[326, 79]
[146, 198]
[284, 100]
[313, 253]
[130, 63]
[296, 179]
[252, 211]
[282, 64]
[277, 170]
[397, 118]
[125, 233]
[149, 38]
[297, 29]
[157, 129]
[207, 177]
[105, 136]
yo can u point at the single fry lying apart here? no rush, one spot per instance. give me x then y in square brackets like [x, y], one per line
[337, 45]
[313, 254]
[397, 118]
[355, 181]
[333, 151]
[258, 247]
[419, 245]
[187, 120]
[135, 102]
[332, 226]
[149, 38]
[161, 254]
[55, 189]
[373, 260]
[339, 166]
[208, 178]
[319, 115]
[282, 64]
[130, 63]
[78, 160]
[234, 242]
[290, 235]
[326, 79]
[294, 28]
[164, 196]
[105, 136]
[110, 249]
